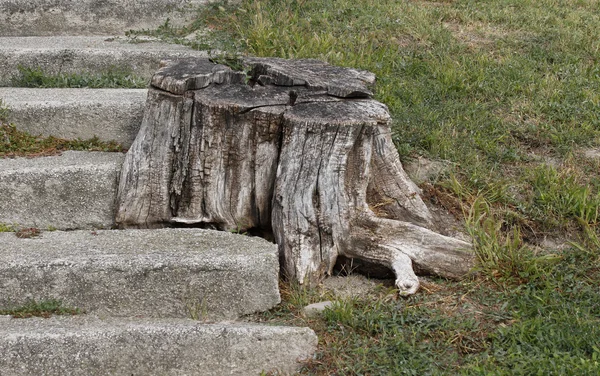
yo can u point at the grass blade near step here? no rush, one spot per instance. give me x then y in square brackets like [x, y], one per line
[36, 78]
[15, 143]
[42, 308]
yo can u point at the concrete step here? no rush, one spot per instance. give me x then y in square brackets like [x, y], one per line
[87, 346]
[109, 114]
[190, 273]
[81, 54]
[75, 190]
[91, 17]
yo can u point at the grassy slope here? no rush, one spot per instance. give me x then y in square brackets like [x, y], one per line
[509, 92]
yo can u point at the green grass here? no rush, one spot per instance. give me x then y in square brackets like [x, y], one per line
[14, 143]
[547, 325]
[4, 111]
[113, 78]
[508, 92]
[499, 88]
[7, 228]
[42, 308]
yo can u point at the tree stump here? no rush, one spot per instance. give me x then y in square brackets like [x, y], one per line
[296, 148]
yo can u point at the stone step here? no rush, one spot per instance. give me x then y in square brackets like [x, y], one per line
[85, 54]
[109, 114]
[75, 190]
[189, 273]
[92, 17]
[85, 346]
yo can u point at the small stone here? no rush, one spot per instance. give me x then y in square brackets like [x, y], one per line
[315, 309]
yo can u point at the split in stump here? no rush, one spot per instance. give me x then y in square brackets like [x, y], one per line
[296, 148]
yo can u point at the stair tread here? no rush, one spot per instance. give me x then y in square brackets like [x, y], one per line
[75, 190]
[83, 42]
[83, 345]
[109, 114]
[149, 273]
[85, 54]
[89, 17]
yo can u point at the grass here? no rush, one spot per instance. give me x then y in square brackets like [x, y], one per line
[4, 111]
[14, 143]
[499, 88]
[547, 325]
[42, 308]
[7, 228]
[35, 77]
[507, 92]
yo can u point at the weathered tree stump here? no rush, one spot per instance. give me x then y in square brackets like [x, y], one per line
[297, 148]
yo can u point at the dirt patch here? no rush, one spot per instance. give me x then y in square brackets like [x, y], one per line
[592, 153]
[357, 286]
[480, 35]
[423, 170]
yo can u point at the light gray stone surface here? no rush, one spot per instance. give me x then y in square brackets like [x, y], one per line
[87, 346]
[78, 54]
[193, 273]
[110, 114]
[70, 191]
[316, 309]
[47, 17]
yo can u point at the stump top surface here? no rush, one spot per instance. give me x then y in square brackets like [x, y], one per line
[179, 76]
[344, 112]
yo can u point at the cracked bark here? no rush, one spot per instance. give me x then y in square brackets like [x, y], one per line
[301, 150]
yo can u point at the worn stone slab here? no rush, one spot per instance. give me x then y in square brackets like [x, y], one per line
[72, 191]
[81, 54]
[87, 346]
[89, 17]
[109, 114]
[315, 309]
[195, 273]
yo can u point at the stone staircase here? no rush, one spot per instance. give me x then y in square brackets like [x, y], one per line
[156, 302]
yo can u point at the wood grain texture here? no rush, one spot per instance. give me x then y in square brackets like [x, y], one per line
[297, 148]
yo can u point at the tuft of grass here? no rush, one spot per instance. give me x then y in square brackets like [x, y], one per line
[15, 143]
[502, 254]
[29, 232]
[179, 35]
[231, 60]
[7, 228]
[560, 197]
[35, 77]
[4, 111]
[42, 308]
